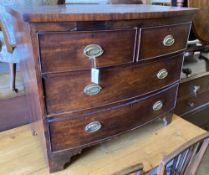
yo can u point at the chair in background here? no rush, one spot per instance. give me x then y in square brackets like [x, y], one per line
[7, 38]
[184, 161]
[7, 46]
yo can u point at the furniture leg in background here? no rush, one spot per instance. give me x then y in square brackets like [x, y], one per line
[12, 68]
[8, 44]
[13, 111]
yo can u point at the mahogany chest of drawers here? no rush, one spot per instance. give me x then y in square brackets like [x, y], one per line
[93, 72]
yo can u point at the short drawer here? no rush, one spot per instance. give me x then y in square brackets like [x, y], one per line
[163, 40]
[66, 91]
[65, 51]
[89, 129]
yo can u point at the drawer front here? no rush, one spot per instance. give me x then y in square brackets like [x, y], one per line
[163, 40]
[192, 94]
[199, 117]
[64, 51]
[65, 92]
[82, 130]
[192, 103]
[193, 87]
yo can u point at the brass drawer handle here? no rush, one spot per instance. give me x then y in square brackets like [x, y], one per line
[93, 127]
[93, 51]
[157, 105]
[163, 73]
[92, 89]
[168, 40]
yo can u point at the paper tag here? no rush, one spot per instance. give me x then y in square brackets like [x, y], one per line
[95, 75]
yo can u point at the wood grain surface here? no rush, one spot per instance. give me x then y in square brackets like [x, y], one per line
[63, 51]
[152, 37]
[99, 12]
[118, 84]
[200, 20]
[21, 153]
[64, 133]
[64, 91]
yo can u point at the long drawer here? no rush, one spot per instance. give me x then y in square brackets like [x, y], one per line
[65, 92]
[82, 130]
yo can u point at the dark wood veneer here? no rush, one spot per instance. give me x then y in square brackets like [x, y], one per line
[71, 133]
[64, 51]
[118, 84]
[54, 83]
[193, 94]
[152, 40]
[99, 12]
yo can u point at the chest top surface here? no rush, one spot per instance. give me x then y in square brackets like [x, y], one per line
[88, 12]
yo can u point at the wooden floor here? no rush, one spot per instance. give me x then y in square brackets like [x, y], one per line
[5, 91]
[13, 113]
[21, 154]
[12, 105]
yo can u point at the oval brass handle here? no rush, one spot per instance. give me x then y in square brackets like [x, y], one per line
[163, 73]
[93, 127]
[93, 51]
[168, 40]
[157, 105]
[92, 89]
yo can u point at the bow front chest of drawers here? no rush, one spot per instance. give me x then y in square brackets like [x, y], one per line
[93, 72]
